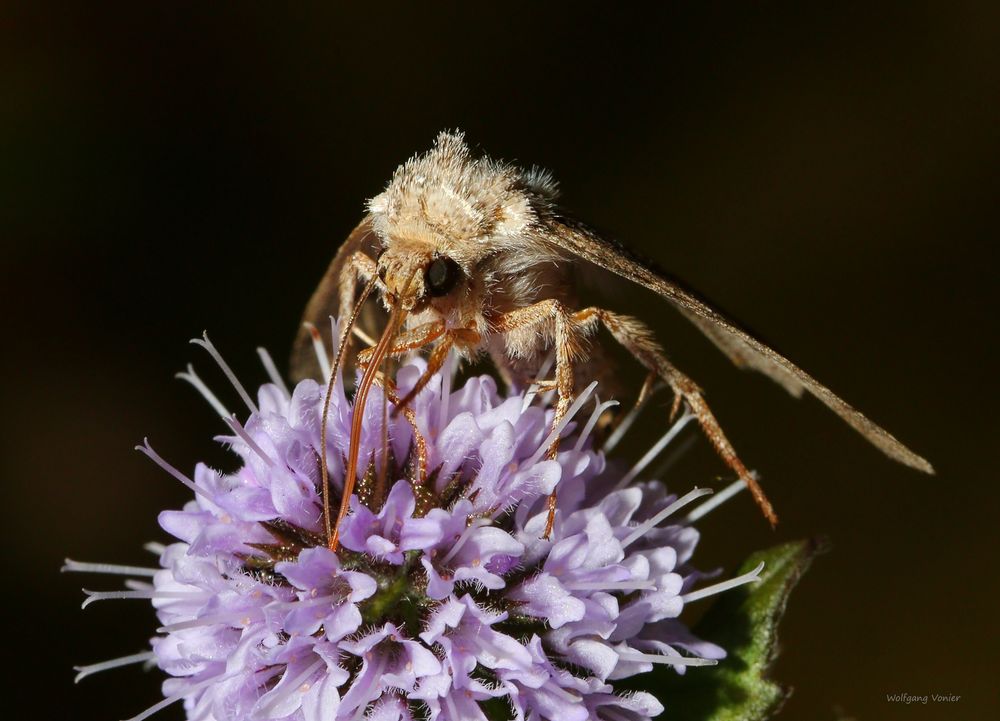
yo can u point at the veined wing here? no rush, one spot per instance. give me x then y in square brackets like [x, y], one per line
[741, 347]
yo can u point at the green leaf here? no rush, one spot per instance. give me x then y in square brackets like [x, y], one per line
[743, 621]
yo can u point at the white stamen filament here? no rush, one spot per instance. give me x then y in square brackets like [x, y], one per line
[320, 350]
[554, 434]
[239, 430]
[205, 343]
[627, 586]
[363, 337]
[543, 371]
[529, 396]
[133, 585]
[550, 360]
[639, 657]
[84, 671]
[701, 593]
[291, 687]
[447, 375]
[674, 454]
[191, 377]
[190, 690]
[466, 535]
[72, 566]
[599, 409]
[272, 371]
[622, 428]
[715, 501]
[235, 620]
[653, 452]
[148, 450]
[155, 548]
[641, 530]
[108, 595]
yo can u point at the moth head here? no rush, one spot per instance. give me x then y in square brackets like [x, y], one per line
[450, 210]
[415, 274]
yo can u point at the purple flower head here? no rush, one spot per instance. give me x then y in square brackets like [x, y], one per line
[443, 599]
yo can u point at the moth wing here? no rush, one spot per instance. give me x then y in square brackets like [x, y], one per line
[741, 347]
[325, 302]
[743, 356]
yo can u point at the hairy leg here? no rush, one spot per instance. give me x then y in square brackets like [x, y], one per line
[420, 443]
[637, 338]
[549, 317]
[359, 266]
[461, 337]
[412, 339]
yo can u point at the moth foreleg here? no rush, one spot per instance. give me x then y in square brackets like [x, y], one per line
[359, 266]
[638, 339]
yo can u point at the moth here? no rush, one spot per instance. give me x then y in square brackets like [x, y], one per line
[475, 255]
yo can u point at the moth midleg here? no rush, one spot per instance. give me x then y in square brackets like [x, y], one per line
[558, 323]
[417, 338]
[458, 336]
[412, 339]
[636, 337]
[419, 441]
[434, 363]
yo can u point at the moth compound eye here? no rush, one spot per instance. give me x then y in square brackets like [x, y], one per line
[441, 276]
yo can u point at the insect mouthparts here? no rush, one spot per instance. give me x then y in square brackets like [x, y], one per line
[514, 243]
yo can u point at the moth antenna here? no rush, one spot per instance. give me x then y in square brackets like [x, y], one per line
[345, 335]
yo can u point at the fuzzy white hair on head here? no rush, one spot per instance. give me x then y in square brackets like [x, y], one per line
[449, 195]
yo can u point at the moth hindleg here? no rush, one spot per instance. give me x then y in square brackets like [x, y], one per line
[636, 337]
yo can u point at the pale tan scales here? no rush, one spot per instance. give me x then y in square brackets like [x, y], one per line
[473, 254]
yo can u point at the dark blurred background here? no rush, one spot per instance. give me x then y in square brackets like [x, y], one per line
[824, 172]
